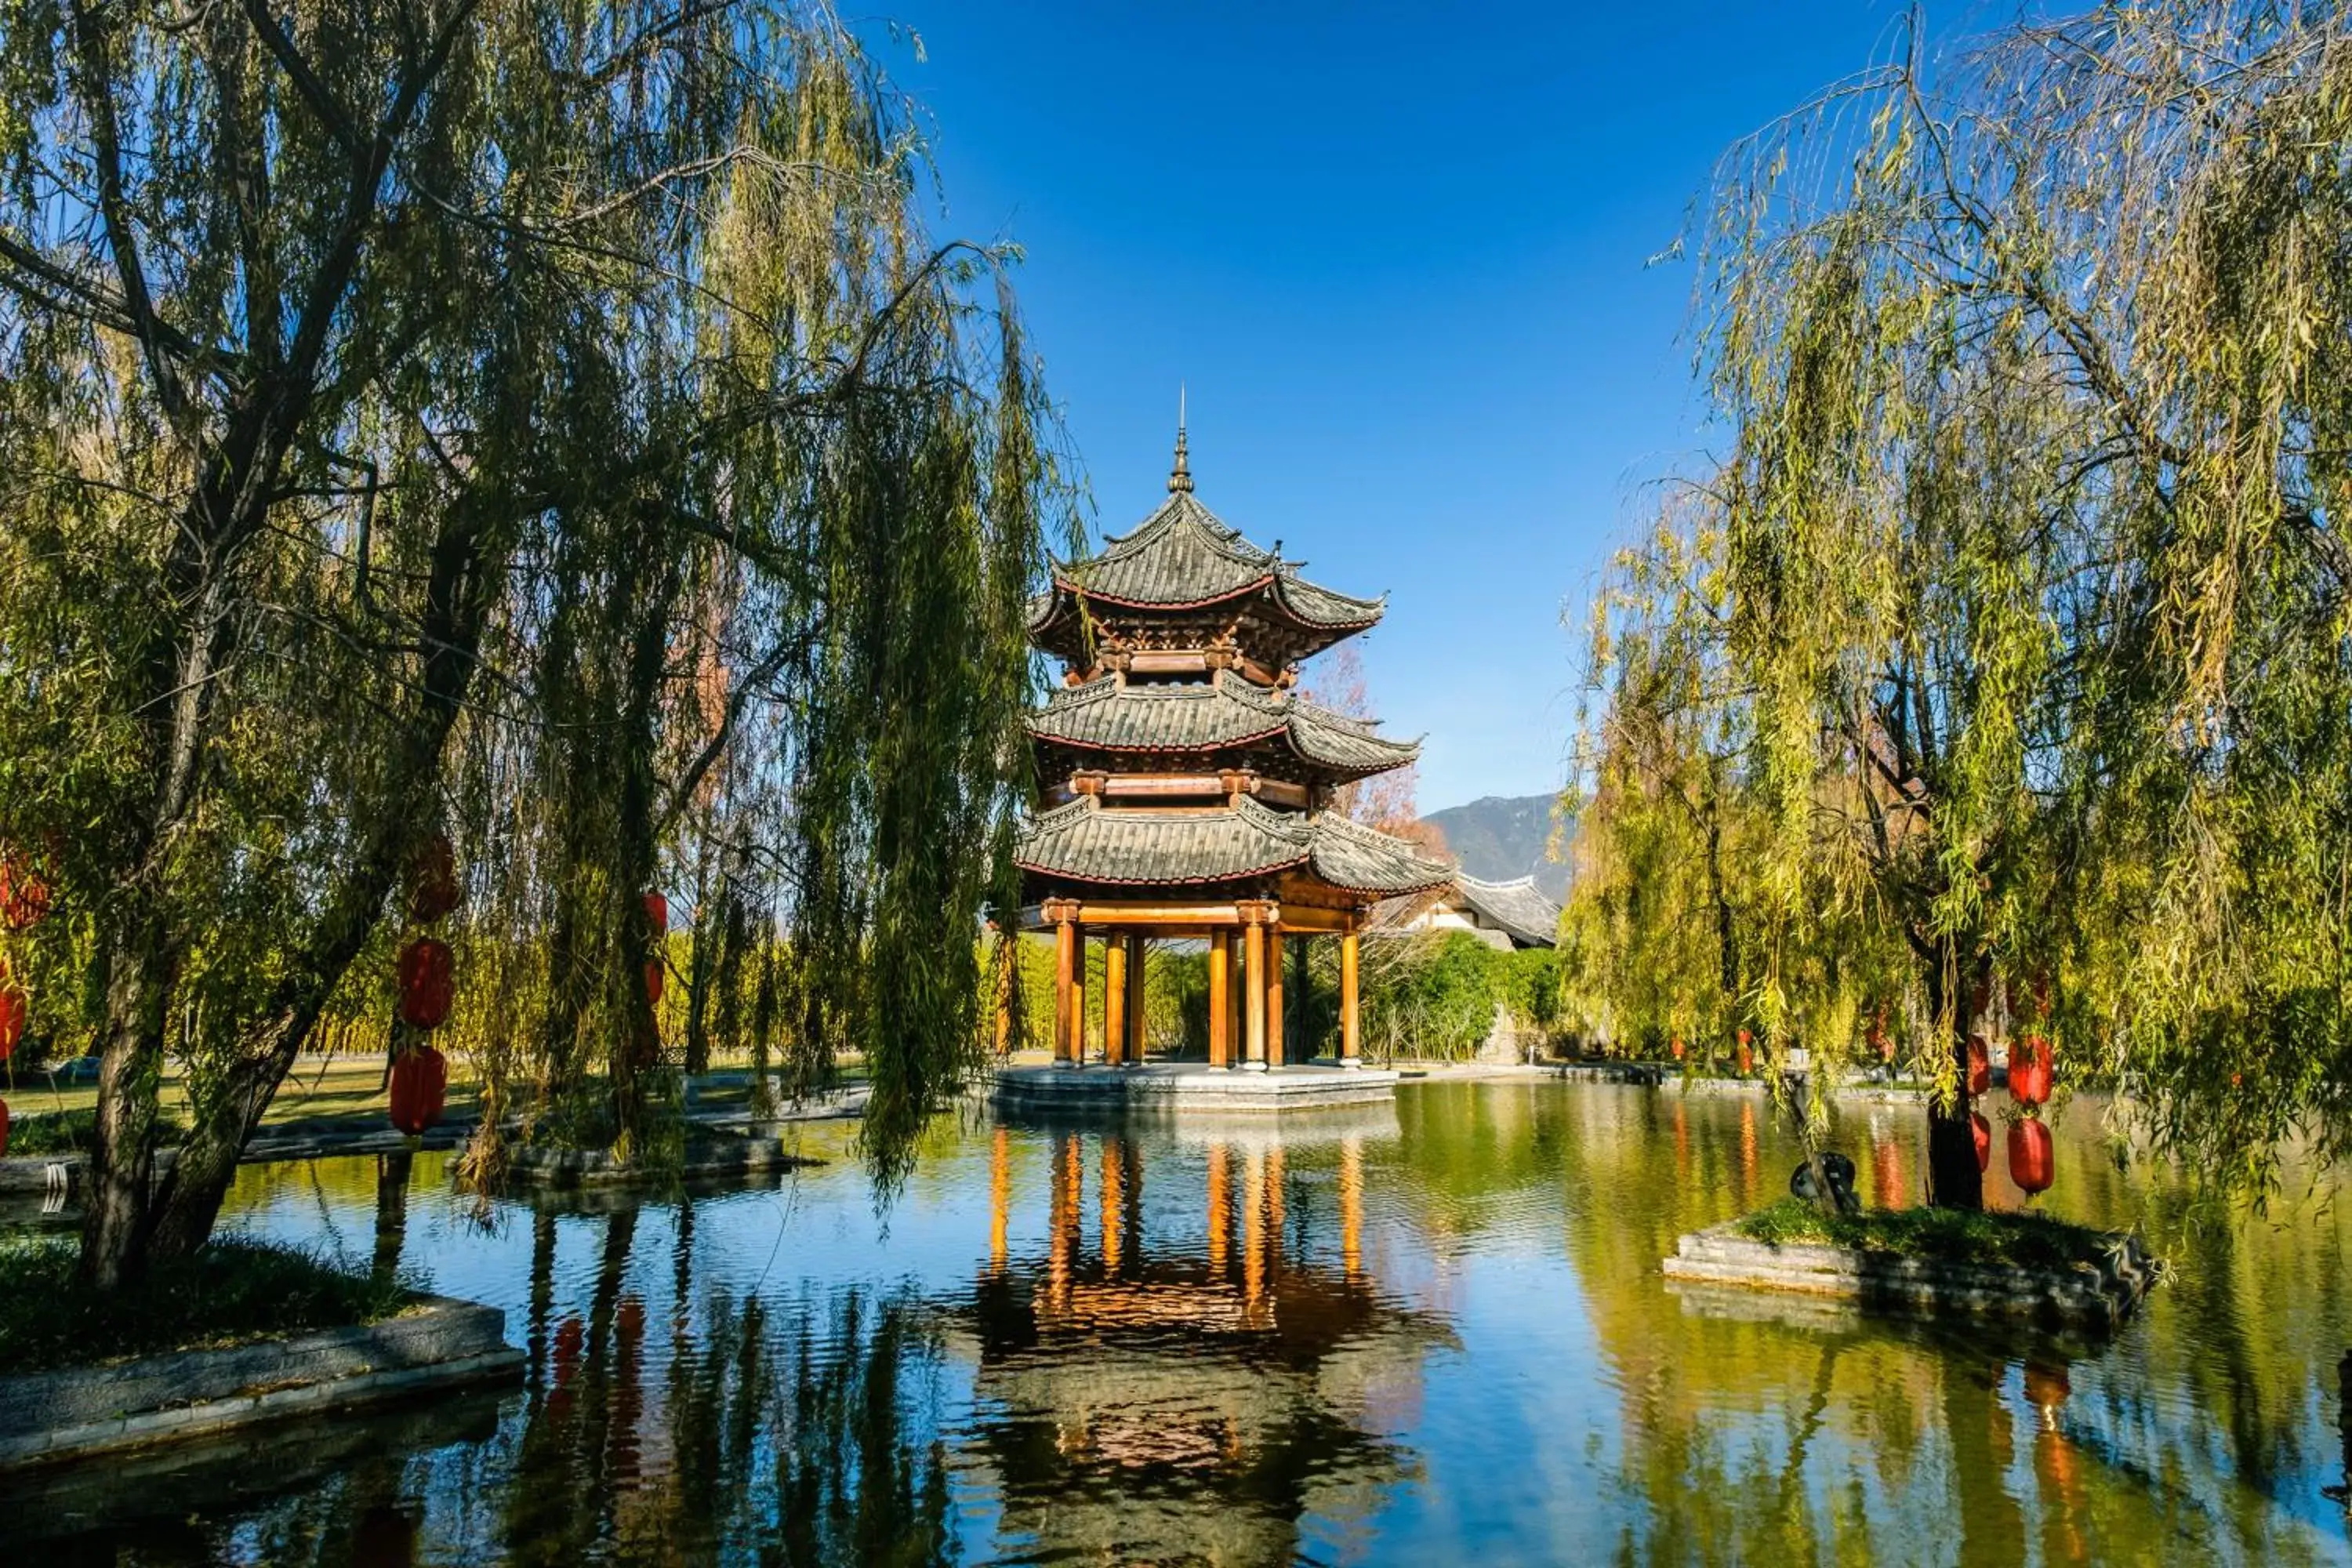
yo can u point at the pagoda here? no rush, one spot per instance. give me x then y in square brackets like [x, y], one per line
[1186, 790]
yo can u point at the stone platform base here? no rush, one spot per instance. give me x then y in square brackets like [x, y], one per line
[2088, 1295]
[48, 1417]
[1182, 1088]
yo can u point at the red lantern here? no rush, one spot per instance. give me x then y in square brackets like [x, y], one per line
[1678, 1048]
[1979, 1065]
[654, 981]
[420, 1089]
[657, 914]
[4, 1127]
[1981, 1131]
[13, 1011]
[2030, 1154]
[428, 983]
[432, 887]
[2029, 1070]
[24, 897]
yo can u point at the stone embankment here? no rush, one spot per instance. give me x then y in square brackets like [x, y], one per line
[48, 1417]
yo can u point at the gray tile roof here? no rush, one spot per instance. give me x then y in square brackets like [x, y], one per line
[1184, 556]
[1516, 907]
[1085, 842]
[1205, 716]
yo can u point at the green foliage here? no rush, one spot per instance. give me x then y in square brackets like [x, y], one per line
[1956, 1236]
[1436, 995]
[234, 1292]
[1997, 679]
[552, 427]
[1175, 996]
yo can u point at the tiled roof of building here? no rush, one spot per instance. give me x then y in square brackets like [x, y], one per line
[1108, 715]
[1184, 556]
[1516, 907]
[1084, 842]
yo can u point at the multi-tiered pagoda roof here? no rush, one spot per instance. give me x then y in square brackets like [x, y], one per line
[1177, 758]
[1184, 580]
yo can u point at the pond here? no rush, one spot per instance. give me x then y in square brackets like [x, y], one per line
[1431, 1333]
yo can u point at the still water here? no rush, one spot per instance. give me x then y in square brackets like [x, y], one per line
[1430, 1333]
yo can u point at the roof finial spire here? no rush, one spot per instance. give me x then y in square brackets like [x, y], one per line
[1179, 478]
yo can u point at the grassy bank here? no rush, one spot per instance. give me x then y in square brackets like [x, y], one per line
[233, 1292]
[1958, 1235]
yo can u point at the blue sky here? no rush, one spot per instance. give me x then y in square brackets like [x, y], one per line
[1397, 255]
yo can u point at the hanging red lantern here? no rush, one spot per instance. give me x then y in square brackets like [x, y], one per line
[2029, 1070]
[1678, 1048]
[1981, 1132]
[654, 973]
[428, 983]
[2030, 1154]
[420, 1089]
[24, 896]
[657, 914]
[14, 1011]
[1746, 1055]
[433, 890]
[1979, 1065]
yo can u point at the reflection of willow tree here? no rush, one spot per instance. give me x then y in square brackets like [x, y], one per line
[809, 1446]
[1757, 1428]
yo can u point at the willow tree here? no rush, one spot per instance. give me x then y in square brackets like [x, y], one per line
[389, 391]
[2024, 562]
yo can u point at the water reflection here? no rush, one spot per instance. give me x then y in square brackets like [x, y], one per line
[1434, 1333]
[1195, 1375]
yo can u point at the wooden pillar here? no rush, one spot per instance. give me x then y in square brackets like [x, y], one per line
[1221, 1004]
[1007, 954]
[1350, 1038]
[1065, 961]
[1131, 1050]
[1253, 993]
[1079, 998]
[1273, 1051]
[1114, 999]
[1236, 1022]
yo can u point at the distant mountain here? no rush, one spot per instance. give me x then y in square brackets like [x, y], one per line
[1502, 838]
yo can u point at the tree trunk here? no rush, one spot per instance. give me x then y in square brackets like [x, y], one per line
[1954, 1181]
[130, 1074]
[701, 964]
[132, 1218]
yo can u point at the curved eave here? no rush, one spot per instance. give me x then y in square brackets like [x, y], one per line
[1244, 842]
[1062, 602]
[1316, 736]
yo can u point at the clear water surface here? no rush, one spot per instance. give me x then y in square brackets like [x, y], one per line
[1430, 1333]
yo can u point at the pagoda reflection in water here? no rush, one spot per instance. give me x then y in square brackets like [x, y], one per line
[1201, 1375]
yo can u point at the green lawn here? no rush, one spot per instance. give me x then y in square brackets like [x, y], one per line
[232, 1292]
[1960, 1236]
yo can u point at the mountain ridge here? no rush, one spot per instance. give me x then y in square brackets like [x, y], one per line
[1498, 838]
